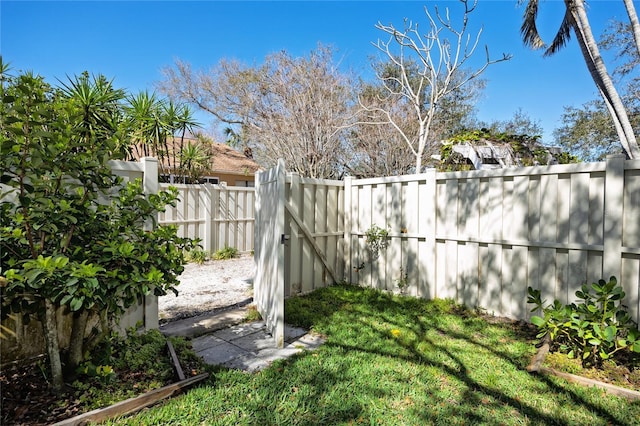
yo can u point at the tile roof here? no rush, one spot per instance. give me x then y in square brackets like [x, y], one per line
[222, 158]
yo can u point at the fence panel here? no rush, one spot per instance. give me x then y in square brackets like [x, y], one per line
[479, 237]
[314, 227]
[218, 215]
[498, 232]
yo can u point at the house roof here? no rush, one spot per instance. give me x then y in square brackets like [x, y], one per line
[226, 159]
[222, 158]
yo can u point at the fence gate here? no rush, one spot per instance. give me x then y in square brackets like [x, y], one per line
[269, 249]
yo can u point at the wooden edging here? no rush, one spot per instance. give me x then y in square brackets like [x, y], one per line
[536, 367]
[629, 394]
[133, 404]
[176, 362]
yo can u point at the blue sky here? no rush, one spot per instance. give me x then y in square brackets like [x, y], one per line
[132, 41]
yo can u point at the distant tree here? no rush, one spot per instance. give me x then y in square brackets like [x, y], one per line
[288, 107]
[587, 132]
[520, 124]
[576, 20]
[429, 73]
[379, 148]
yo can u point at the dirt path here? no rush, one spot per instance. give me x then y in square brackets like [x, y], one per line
[214, 285]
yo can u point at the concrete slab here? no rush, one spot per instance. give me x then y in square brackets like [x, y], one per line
[241, 330]
[203, 324]
[223, 338]
[221, 353]
[207, 341]
[255, 342]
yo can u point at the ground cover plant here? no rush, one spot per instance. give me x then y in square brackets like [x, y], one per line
[394, 360]
[225, 253]
[128, 367]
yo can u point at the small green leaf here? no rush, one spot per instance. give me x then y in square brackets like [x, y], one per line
[76, 303]
[537, 321]
[610, 333]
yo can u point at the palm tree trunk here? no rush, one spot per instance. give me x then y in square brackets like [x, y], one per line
[635, 24]
[601, 77]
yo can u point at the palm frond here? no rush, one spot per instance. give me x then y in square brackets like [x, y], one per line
[529, 30]
[564, 34]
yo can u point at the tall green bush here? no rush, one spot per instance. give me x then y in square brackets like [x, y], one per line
[71, 234]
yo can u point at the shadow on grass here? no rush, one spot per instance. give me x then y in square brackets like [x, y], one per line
[364, 312]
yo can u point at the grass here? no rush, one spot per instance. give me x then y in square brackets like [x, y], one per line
[393, 360]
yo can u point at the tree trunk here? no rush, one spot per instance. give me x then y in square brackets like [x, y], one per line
[601, 77]
[635, 24]
[50, 328]
[76, 343]
[104, 329]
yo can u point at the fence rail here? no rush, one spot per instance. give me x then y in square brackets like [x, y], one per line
[218, 215]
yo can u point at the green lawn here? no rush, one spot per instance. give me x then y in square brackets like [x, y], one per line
[393, 361]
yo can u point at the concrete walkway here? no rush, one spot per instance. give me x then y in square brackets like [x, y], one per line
[223, 338]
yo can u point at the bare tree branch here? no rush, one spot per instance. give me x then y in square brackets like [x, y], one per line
[440, 71]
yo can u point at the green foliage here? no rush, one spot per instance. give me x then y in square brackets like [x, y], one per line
[376, 239]
[197, 256]
[587, 131]
[595, 329]
[526, 148]
[73, 235]
[225, 253]
[253, 314]
[105, 379]
[566, 158]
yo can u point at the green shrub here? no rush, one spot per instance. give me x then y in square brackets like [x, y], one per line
[225, 253]
[593, 330]
[198, 256]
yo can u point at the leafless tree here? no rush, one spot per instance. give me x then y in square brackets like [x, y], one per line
[430, 68]
[288, 107]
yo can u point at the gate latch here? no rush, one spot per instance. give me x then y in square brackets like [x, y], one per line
[284, 238]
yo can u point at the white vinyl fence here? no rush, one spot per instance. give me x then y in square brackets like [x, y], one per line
[218, 215]
[479, 237]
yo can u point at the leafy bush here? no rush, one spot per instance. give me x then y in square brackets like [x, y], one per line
[197, 256]
[73, 236]
[595, 329]
[225, 253]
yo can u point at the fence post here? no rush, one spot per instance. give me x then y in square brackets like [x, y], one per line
[208, 218]
[150, 185]
[216, 194]
[428, 285]
[348, 269]
[613, 213]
